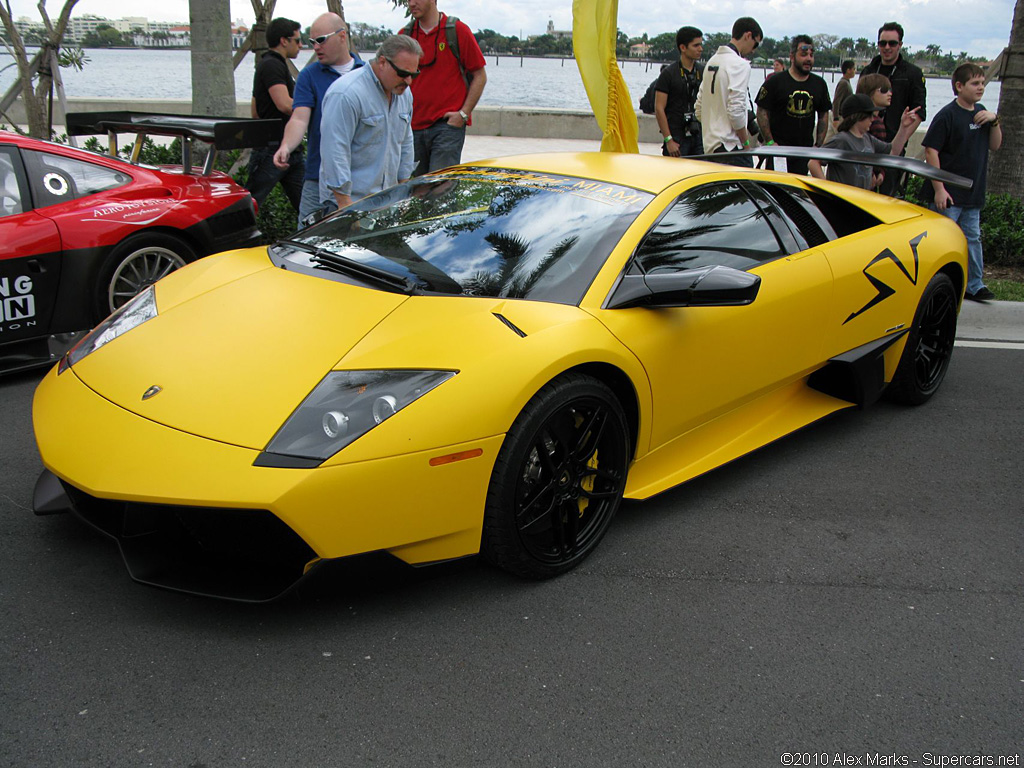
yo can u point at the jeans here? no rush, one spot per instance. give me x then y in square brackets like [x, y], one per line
[969, 219]
[688, 146]
[742, 161]
[437, 146]
[263, 175]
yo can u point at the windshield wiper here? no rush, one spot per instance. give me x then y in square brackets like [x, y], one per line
[344, 265]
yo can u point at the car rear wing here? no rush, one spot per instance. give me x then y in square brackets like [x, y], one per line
[909, 165]
[221, 133]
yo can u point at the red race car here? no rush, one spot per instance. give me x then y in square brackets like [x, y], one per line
[82, 233]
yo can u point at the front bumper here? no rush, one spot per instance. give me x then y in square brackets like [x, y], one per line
[147, 484]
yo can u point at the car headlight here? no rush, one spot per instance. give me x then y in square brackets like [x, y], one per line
[346, 405]
[124, 318]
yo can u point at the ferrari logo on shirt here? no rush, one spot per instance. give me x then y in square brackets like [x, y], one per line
[440, 46]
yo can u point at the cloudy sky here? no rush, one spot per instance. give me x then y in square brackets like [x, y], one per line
[980, 27]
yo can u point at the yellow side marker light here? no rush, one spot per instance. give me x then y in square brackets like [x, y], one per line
[437, 461]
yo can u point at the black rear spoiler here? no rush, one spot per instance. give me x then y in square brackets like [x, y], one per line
[916, 167]
[221, 133]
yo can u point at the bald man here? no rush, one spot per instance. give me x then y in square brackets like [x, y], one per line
[329, 38]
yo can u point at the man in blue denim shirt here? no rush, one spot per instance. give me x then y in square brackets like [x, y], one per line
[366, 125]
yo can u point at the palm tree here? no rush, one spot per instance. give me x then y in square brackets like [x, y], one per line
[1006, 167]
[213, 76]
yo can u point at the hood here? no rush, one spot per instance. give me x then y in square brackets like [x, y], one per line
[235, 348]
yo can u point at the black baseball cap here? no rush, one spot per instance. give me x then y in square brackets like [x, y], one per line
[857, 103]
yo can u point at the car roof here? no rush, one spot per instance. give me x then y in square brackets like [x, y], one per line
[649, 173]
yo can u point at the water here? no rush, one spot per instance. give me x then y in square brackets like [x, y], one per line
[513, 82]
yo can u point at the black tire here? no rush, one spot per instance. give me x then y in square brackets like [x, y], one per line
[558, 479]
[925, 359]
[136, 263]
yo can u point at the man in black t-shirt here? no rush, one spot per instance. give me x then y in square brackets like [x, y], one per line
[675, 94]
[272, 89]
[789, 103]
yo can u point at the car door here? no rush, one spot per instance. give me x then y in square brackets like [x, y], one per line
[30, 251]
[703, 362]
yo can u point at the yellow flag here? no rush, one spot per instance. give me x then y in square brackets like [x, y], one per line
[594, 33]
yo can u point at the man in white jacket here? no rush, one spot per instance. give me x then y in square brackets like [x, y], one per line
[723, 101]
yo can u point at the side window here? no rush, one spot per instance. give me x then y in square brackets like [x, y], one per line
[12, 191]
[56, 179]
[713, 225]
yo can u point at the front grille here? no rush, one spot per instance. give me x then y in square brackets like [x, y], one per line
[237, 554]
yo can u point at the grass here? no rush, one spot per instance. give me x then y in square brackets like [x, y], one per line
[1006, 290]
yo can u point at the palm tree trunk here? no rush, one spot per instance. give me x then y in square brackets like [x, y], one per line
[213, 76]
[1006, 167]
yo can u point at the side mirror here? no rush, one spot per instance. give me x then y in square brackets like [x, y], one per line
[714, 286]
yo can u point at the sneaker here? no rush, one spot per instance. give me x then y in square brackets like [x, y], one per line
[984, 295]
[968, 296]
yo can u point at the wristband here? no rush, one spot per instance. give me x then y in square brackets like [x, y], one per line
[996, 121]
[668, 138]
[464, 116]
[769, 142]
[746, 143]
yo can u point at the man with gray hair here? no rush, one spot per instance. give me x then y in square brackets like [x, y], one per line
[366, 125]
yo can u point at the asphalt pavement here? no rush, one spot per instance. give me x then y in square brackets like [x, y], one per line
[853, 591]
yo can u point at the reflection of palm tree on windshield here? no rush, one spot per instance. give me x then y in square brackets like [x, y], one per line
[514, 278]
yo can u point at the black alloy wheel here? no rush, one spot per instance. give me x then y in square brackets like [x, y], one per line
[558, 479]
[929, 346]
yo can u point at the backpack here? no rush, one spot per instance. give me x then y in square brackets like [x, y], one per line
[647, 100]
[452, 37]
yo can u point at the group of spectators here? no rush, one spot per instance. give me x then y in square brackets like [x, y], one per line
[368, 125]
[707, 109]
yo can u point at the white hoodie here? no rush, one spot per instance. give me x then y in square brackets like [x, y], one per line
[722, 101]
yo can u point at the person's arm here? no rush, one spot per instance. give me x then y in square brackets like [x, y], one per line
[815, 168]
[918, 94]
[942, 198]
[293, 133]
[737, 100]
[995, 136]
[764, 122]
[252, 108]
[660, 102]
[908, 124]
[279, 95]
[338, 122]
[407, 158]
[822, 128]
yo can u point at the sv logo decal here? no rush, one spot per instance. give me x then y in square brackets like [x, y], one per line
[884, 289]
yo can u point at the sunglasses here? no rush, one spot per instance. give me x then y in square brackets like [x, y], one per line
[883, 89]
[401, 72]
[889, 43]
[756, 43]
[321, 39]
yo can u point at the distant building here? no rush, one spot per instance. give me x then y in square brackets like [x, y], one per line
[140, 29]
[639, 50]
[558, 34]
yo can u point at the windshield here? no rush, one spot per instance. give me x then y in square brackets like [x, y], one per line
[478, 232]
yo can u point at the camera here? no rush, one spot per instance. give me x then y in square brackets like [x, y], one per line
[691, 124]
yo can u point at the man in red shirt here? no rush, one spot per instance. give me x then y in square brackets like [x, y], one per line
[450, 82]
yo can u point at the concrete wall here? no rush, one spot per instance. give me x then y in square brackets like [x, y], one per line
[522, 122]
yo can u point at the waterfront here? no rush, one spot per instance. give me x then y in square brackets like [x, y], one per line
[511, 81]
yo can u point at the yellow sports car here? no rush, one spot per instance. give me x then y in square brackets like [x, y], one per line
[486, 359]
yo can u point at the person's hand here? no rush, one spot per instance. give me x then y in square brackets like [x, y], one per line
[877, 179]
[942, 199]
[910, 118]
[985, 116]
[672, 147]
[455, 120]
[281, 157]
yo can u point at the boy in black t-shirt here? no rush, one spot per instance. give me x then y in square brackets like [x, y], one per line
[958, 140]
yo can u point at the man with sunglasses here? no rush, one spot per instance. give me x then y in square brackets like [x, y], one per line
[789, 103]
[329, 38]
[907, 83]
[366, 125]
[722, 100]
[446, 93]
[272, 90]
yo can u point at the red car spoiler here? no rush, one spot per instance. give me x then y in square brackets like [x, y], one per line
[221, 133]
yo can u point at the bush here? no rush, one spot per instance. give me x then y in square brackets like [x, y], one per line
[1002, 231]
